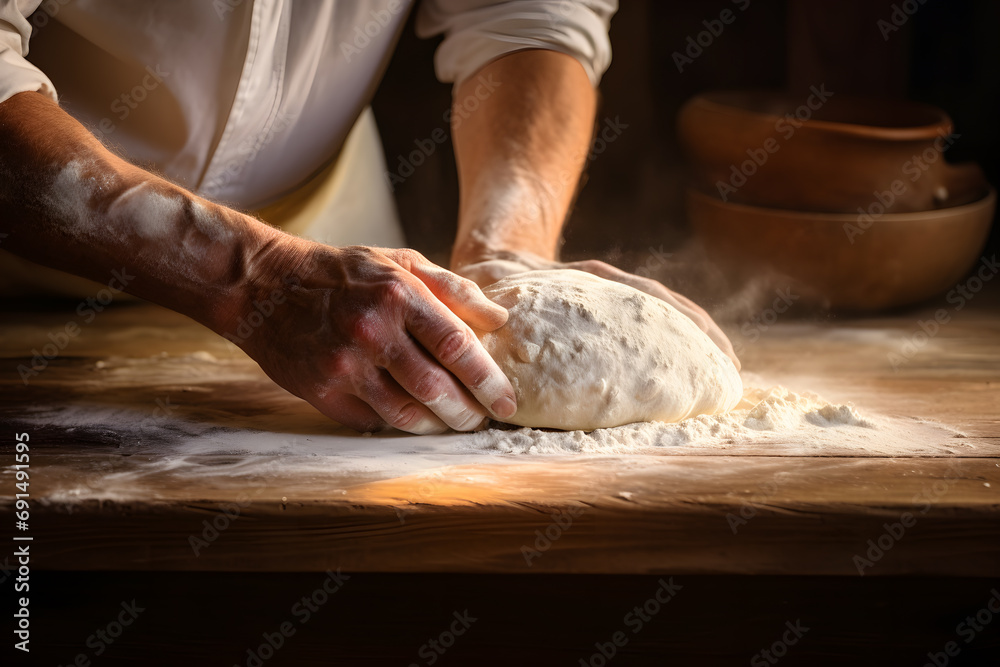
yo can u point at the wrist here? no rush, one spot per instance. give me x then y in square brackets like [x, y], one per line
[509, 214]
[236, 282]
[465, 255]
[270, 263]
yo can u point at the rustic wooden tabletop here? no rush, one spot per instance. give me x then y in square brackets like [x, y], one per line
[155, 445]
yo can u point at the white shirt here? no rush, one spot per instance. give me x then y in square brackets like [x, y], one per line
[243, 100]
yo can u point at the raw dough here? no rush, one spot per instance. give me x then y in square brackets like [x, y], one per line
[584, 353]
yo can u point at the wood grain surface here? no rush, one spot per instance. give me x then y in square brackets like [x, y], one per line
[110, 494]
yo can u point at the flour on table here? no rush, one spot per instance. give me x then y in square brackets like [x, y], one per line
[772, 421]
[585, 353]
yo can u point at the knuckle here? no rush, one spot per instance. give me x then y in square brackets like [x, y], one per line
[340, 367]
[467, 287]
[407, 415]
[409, 257]
[395, 292]
[429, 386]
[366, 329]
[387, 355]
[481, 377]
[453, 346]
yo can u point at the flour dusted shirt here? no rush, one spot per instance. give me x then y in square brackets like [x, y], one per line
[243, 100]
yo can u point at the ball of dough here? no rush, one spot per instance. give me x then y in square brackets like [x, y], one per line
[583, 353]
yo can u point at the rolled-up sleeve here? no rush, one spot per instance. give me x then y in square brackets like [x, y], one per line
[17, 75]
[479, 31]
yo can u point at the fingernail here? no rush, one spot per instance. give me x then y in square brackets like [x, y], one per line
[504, 407]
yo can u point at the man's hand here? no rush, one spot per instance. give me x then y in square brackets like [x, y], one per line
[503, 264]
[370, 337]
[374, 337]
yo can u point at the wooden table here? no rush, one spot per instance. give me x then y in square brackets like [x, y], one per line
[139, 486]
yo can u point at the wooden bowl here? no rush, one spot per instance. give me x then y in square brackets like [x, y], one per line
[821, 152]
[843, 262]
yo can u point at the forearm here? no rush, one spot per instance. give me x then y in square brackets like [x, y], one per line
[520, 153]
[69, 203]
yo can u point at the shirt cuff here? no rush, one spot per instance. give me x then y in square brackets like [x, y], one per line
[17, 75]
[480, 31]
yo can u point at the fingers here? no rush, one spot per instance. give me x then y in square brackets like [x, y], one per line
[350, 411]
[400, 410]
[453, 344]
[461, 295]
[423, 379]
[370, 400]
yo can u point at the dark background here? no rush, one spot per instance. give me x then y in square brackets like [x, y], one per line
[946, 54]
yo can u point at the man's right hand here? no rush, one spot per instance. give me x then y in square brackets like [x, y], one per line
[372, 337]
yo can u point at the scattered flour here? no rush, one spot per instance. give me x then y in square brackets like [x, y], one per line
[802, 421]
[213, 416]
